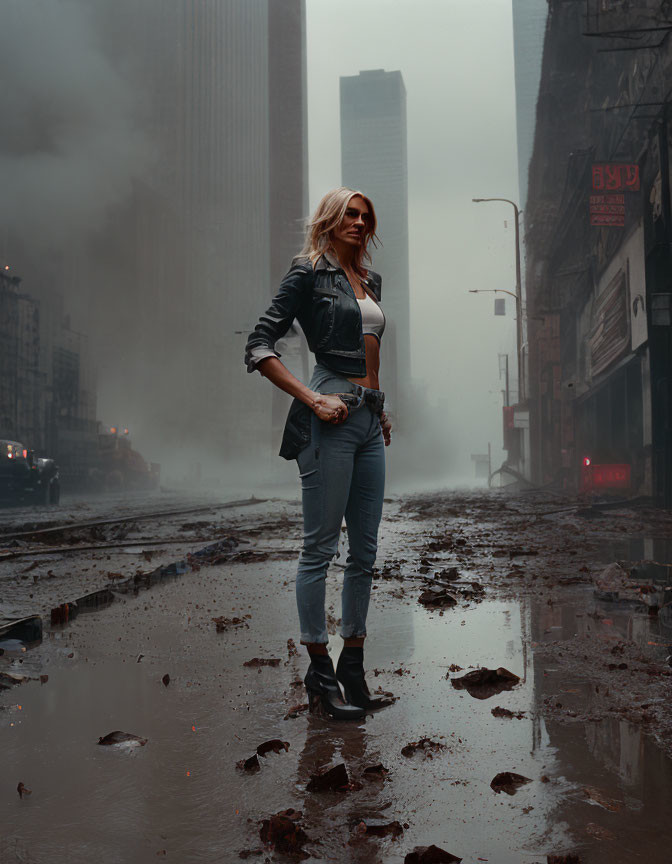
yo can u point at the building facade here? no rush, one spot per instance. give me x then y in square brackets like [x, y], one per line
[529, 27]
[599, 231]
[21, 379]
[374, 160]
[168, 279]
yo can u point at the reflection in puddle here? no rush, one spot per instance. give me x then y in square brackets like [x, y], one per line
[182, 793]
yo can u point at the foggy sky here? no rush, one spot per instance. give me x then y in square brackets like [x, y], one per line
[72, 140]
[77, 137]
[456, 58]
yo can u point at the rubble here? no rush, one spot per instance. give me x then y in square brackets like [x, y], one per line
[375, 828]
[125, 739]
[484, 683]
[22, 789]
[374, 772]
[430, 855]
[284, 834]
[425, 746]
[437, 598]
[275, 745]
[257, 662]
[509, 782]
[329, 780]
[11, 679]
[222, 624]
[296, 711]
[251, 765]
[27, 630]
[612, 582]
[508, 715]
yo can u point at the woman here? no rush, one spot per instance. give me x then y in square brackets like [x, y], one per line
[335, 430]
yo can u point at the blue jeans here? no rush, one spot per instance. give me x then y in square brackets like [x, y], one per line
[342, 474]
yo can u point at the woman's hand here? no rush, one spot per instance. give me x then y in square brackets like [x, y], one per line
[331, 409]
[386, 426]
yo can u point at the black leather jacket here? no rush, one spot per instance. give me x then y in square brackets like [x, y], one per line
[321, 299]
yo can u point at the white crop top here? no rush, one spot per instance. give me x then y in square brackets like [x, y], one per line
[373, 317]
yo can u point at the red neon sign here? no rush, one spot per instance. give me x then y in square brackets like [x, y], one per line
[615, 177]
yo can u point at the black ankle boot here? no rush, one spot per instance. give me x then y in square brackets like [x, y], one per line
[350, 672]
[324, 694]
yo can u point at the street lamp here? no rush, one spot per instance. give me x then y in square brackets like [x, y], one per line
[518, 295]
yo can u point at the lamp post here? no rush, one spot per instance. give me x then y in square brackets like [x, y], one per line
[518, 295]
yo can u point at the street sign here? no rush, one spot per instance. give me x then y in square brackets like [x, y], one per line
[610, 180]
[500, 306]
[607, 210]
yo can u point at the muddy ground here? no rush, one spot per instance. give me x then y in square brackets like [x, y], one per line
[168, 648]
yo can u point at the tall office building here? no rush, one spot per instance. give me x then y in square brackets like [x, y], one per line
[529, 27]
[374, 160]
[197, 111]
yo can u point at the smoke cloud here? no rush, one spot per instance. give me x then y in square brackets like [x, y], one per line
[69, 143]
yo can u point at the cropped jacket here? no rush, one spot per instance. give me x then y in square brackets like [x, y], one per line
[322, 300]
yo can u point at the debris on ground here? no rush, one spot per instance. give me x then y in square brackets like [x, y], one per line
[122, 738]
[262, 661]
[296, 711]
[166, 680]
[26, 630]
[611, 582]
[569, 858]
[594, 796]
[373, 772]
[329, 779]
[292, 650]
[508, 715]
[484, 683]
[22, 789]
[223, 624]
[430, 855]
[283, 833]
[251, 765]
[425, 746]
[10, 679]
[275, 745]
[378, 829]
[437, 598]
[509, 782]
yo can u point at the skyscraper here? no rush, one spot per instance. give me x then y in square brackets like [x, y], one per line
[529, 27]
[189, 152]
[374, 160]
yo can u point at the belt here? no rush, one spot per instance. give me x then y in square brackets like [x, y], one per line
[374, 399]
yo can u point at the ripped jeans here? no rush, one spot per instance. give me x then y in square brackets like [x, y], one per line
[342, 474]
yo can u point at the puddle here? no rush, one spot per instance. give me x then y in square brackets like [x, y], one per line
[584, 616]
[636, 549]
[182, 792]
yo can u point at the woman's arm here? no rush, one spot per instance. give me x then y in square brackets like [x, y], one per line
[327, 407]
[294, 290]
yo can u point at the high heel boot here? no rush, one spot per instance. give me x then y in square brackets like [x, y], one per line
[324, 694]
[350, 672]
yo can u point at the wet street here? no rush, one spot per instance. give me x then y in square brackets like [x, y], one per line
[184, 640]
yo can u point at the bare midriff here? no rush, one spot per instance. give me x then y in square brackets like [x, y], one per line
[371, 343]
[370, 380]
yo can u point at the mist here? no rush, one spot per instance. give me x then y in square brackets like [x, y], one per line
[72, 139]
[139, 167]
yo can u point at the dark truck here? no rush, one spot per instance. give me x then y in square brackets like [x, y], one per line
[26, 478]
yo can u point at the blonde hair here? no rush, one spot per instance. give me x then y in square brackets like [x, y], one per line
[329, 215]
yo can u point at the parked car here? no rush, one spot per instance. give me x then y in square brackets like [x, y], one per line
[26, 478]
